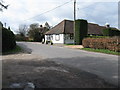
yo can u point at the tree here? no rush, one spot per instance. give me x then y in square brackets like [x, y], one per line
[3, 6]
[23, 30]
[37, 32]
[34, 32]
[22, 33]
[34, 26]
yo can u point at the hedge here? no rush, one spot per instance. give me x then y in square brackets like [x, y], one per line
[112, 43]
[111, 32]
[81, 29]
[8, 40]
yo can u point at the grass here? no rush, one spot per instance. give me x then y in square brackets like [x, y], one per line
[101, 51]
[97, 36]
[17, 49]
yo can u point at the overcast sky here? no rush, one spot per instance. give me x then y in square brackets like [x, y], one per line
[33, 11]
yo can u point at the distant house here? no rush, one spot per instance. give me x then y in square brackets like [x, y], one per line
[63, 32]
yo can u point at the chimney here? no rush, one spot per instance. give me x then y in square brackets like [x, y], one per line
[41, 26]
[107, 25]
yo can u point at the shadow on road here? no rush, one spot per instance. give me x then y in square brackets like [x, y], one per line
[25, 49]
[48, 74]
[107, 69]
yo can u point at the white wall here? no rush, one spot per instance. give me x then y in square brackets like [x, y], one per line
[56, 38]
[59, 39]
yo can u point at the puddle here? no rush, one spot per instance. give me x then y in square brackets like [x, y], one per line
[25, 86]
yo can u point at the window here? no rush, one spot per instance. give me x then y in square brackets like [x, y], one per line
[48, 37]
[57, 37]
[67, 36]
[71, 36]
[51, 37]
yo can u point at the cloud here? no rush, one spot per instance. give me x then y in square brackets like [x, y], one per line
[101, 12]
[23, 11]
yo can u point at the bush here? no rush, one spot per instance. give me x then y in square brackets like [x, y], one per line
[112, 43]
[115, 33]
[111, 32]
[8, 40]
[37, 37]
[81, 30]
[19, 38]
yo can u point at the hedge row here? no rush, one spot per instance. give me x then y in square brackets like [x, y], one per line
[111, 32]
[112, 43]
[21, 38]
[8, 40]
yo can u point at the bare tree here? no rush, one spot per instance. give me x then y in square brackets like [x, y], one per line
[34, 26]
[23, 30]
[3, 6]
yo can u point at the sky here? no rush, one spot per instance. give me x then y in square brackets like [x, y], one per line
[54, 11]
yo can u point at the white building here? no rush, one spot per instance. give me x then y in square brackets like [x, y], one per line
[61, 33]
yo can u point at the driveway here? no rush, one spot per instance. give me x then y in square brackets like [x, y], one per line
[103, 65]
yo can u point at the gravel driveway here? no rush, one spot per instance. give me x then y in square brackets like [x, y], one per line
[44, 73]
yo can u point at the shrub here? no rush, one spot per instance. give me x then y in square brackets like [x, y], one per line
[8, 40]
[19, 38]
[112, 43]
[115, 33]
[81, 30]
[111, 32]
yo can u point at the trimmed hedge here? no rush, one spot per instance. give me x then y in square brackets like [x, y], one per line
[8, 40]
[111, 32]
[81, 30]
[112, 43]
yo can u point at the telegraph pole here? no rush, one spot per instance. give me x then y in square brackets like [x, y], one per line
[74, 20]
[5, 25]
[74, 10]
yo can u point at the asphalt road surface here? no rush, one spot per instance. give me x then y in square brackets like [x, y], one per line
[103, 65]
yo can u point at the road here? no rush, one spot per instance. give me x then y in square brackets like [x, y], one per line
[103, 65]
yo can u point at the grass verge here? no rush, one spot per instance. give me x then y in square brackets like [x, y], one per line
[17, 49]
[101, 51]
